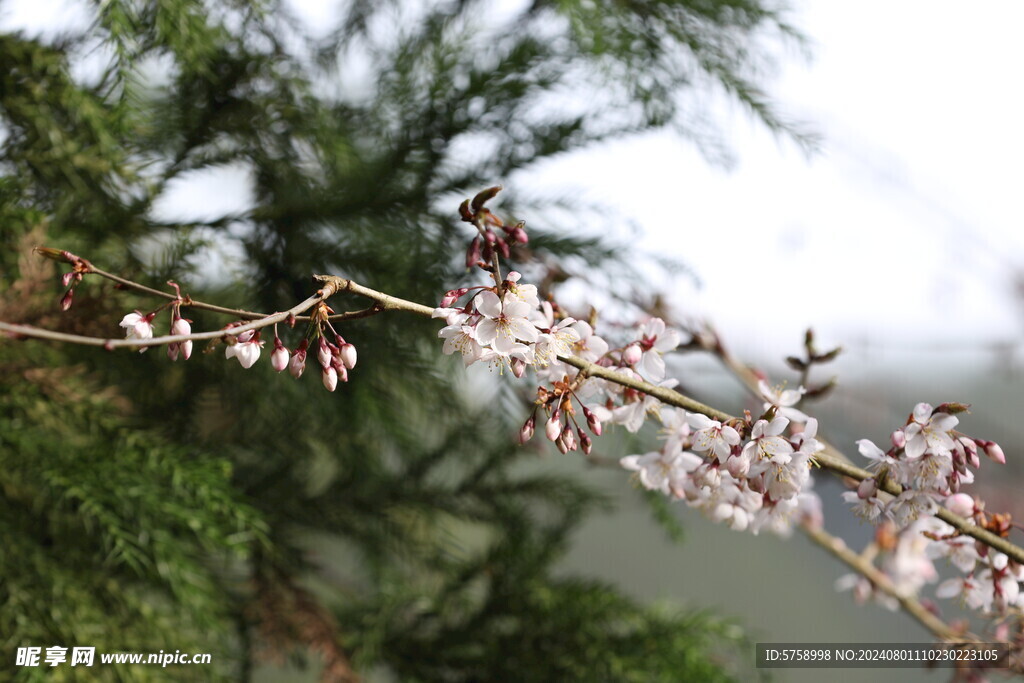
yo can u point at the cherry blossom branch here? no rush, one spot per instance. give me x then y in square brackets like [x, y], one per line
[325, 292]
[835, 546]
[831, 458]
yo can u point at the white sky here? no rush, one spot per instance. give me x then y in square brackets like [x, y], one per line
[905, 228]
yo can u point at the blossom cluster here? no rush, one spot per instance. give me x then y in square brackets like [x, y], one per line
[930, 460]
[509, 326]
[750, 474]
[506, 327]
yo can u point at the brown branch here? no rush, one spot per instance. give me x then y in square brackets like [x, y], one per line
[863, 566]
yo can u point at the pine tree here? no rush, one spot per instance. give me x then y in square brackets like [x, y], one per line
[148, 505]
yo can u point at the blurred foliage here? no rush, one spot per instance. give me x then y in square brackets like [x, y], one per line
[391, 526]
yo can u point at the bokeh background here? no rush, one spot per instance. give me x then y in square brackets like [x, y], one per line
[846, 168]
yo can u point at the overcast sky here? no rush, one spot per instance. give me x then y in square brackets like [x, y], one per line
[906, 227]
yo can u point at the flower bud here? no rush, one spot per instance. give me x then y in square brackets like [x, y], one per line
[330, 378]
[182, 326]
[738, 466]
[279, 358]
[993, 451]
[585, 442]
[518, 367]
[592, 421]
[972, 459]
[451, 296]
[526, 433]
[519, 235]
[554, 426]
[502, 247]
[65, 301]
[899, 439]
[66, 278]
[172, 351]
[323, 354]
[473, 253]
[569, 438]
[562, 448]
[867, 489]
[298, 362]
[632, 354]
[348, 355]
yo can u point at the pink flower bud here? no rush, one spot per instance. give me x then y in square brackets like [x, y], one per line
[632, 354]
[562, 448]
[526, 433]
[994, 452]
[519, 235]
[297, 364]
[172, 351]
[592, 421]
[585, 442]
[451, 296]
[553, 427]
[473, 253]
[502, 247]
[323, 354]
[182, 326]
[867, 489]
[899, 439]
[279, 358]
[738, 466]
[960, 504]
[65, 301]
[569, 438]
[518, 367]
[330, 378]
[490, 237]
[66, 278]
[348, 355]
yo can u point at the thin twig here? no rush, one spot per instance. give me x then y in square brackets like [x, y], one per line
[882, 582]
